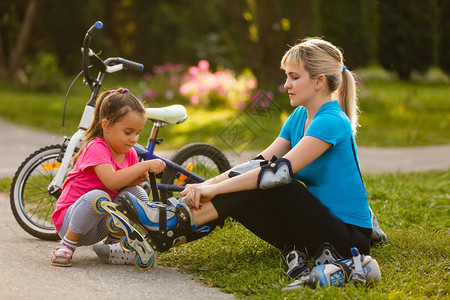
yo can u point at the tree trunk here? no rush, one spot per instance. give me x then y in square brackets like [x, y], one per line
[2, 61]
[263, 54]
[19, 49]
[303, 21]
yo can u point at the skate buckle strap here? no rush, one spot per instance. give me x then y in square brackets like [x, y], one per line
[346, 269]
[162, 218]
[327, 254]
[297, 266]
[358, 274]
[201, 229]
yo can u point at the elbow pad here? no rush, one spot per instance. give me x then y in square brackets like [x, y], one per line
[248, 166]
[273, 176]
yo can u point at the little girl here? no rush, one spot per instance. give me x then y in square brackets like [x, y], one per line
[106, 165]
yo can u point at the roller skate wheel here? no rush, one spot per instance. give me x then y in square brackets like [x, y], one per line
[125, 245]
[96, 203]
[141, 266]
[111, 226]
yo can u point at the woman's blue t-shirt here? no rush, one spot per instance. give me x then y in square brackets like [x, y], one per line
[334, 177]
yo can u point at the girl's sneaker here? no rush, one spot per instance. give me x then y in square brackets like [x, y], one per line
[114, 254]
[62, 256]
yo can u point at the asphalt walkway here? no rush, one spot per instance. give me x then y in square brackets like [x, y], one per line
[26, 272]
[18, 142]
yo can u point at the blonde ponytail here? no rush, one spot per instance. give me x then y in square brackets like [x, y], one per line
[347, 98]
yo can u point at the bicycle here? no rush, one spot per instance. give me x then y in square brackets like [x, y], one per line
[38, 181]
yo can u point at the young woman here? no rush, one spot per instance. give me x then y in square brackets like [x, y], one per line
[317, 144]
[313, 193]
[105, 165]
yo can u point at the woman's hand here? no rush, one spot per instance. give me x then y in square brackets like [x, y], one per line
[195, 194]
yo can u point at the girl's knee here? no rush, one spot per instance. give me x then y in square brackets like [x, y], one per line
[97, 192]
[136, 191]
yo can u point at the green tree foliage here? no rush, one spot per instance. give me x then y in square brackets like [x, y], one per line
[444, 34]
[235, 34]
[185, 31]
[406, 39]
[351, 24]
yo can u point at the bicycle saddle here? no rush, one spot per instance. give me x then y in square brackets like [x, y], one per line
[173, 114]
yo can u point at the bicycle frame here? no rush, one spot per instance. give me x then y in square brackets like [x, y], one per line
[148, 153]
[44, 171]
[76, 140]
[109, 65]
[143, 152]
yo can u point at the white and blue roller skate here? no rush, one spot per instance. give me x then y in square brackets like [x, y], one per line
[134, 238]
[360, 269]
[148, 226]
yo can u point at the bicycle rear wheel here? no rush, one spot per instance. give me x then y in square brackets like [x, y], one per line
[203, 159]
[31, 203]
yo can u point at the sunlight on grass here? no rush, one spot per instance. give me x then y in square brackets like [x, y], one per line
[404, 114]
[412, 209]
[392, 114]
[5, 184]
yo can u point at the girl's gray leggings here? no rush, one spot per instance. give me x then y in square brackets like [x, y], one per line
[82, 219]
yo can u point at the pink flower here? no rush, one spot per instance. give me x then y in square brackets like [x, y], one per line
[221, 90]
[170, 94]
[193, 70]
[184, 89]
[194, 99]
[150, 94]
[203, 65]
[148, 76]
[264, 104]
[158, 69]
[174, 79]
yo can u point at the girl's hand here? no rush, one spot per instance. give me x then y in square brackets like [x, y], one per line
[140, 179]
[156, 166]
[195, 194]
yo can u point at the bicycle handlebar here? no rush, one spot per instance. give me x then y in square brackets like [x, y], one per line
[131, 65]
[87, 40]
[95, 28]
[98, 63]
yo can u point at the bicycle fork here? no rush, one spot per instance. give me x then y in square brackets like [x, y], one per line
[74, 143]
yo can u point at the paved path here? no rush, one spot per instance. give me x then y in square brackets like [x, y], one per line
[19, 142]
[26, 273]
[25, 269]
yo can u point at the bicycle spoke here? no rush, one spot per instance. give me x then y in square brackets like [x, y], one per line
[48, 209]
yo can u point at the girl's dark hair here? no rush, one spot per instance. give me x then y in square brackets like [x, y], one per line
[111, 105]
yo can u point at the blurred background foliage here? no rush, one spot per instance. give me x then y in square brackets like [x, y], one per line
[402, 37]
[216, 56]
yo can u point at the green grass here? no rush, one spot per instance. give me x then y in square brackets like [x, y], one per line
[393, 114]
[404, 114]
[5, 184]
[412, 208]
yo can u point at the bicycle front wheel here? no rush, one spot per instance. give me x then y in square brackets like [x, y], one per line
[202, 159]
[31, 203]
